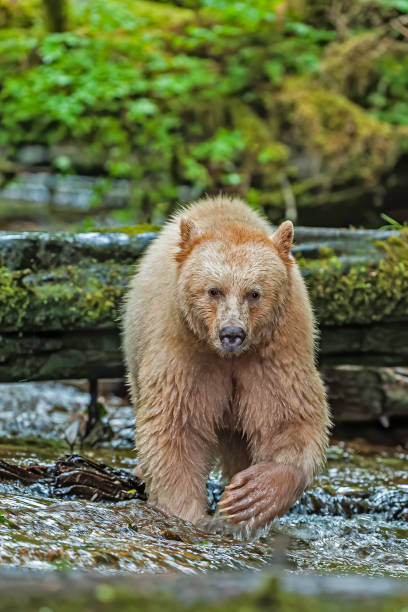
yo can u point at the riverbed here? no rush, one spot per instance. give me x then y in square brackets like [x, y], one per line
[353, 519]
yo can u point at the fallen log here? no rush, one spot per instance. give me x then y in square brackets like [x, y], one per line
[358, 394]
[61, 294]
[73, 475]
[369, 403]
[201, 592]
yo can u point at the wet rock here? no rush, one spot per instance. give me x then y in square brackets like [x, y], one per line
[392, 504]
[214, 490]
[33, 155]
[65, 193]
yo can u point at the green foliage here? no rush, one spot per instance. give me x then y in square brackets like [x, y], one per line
[131, 230]
[199, 96]
[392, 224]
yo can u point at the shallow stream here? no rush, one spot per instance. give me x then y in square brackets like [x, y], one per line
[354, 518]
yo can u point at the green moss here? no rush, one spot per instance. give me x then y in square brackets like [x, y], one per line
[327, 124]
[31, 449]
[14, 297]
[326, 252]
[68, 297]
[349, 64]
[131, 230]
[361, 293]
[31, 443]
[84, 296]
[262, 146]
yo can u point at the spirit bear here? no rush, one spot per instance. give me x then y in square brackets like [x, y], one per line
[219, 343]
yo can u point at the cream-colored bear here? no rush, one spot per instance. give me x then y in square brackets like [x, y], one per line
[219, 343]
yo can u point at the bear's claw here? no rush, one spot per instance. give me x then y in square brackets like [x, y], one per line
[261, 492]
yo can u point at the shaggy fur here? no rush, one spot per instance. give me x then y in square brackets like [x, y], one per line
[262, 407]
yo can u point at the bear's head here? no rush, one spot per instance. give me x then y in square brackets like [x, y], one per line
[233, 283]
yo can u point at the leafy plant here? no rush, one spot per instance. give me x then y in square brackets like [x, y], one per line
[202, 95]
[392, 224]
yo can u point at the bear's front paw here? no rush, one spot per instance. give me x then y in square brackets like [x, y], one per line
[258, 494]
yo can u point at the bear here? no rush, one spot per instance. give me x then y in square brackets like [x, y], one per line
[219, 343]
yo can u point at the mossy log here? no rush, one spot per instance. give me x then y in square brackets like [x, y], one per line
[76, 476]
[55, 12]
[61, 294]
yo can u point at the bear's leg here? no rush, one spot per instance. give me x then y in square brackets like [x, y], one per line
[174, 462]
[176, 419]
[233, 452]
[288, 438]
[174, 459]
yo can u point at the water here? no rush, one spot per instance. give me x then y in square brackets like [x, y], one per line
[45, 410]
[354, 519]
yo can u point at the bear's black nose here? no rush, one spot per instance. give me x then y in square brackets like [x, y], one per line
[231, 337]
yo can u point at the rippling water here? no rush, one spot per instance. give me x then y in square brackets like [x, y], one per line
[353, 519]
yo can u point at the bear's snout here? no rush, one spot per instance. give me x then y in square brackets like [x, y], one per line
[232, 336]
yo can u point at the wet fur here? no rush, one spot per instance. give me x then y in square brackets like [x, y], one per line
[262, 410]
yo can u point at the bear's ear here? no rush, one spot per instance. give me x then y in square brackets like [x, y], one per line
[188, 232]
[282, 238]
[188, 236]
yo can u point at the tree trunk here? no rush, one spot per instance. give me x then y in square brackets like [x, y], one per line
[55, 11]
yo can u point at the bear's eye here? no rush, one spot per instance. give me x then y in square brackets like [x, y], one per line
[214, 292]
